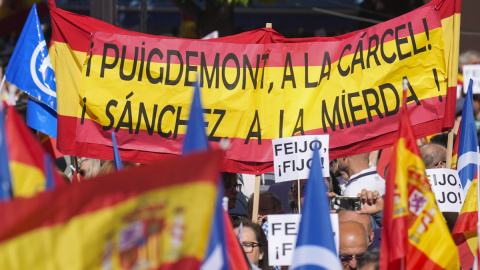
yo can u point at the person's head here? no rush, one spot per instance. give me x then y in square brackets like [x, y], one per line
[470, 57]
[353, 164]
[353, 243]
[254, 242]
[268, 204]
[371, 260]
[434, 155]
[231, 188]
[364, 219]
[108, 167]
[89, 168]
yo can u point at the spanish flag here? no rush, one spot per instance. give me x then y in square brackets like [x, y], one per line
[31, 168]
[150, 217]
[414, 233]
[465, 231]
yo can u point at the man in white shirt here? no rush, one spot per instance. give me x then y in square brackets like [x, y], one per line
[360, 175]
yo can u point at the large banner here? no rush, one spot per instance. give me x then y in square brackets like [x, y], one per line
[256, 86]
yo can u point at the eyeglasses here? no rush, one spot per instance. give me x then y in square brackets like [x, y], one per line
[231, 188]
[347, 258]
[249, 246]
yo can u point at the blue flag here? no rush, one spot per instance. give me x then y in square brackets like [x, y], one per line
[216, 258]
[315, 247]
[195, 138]
[468, 144]
[42, 118]
[49, 174]
[31, 70]
[5, 179]
[117, 161]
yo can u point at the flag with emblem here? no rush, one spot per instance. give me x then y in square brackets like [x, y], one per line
[413, 226]
[31, 70]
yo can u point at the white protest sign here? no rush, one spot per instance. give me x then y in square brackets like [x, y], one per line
[292, 156]
[448, 189]
[471, 72]
[282, 236]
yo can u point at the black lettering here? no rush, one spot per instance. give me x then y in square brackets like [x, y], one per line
[414, 43]
[264, 58]
[387, 59]
[255, 134]
[400, 41]
[369, 107]
[359, 60]
[215, 70]
[111, 103]
[353, 109]
[142, 113]
[171, 53]
[211, 137]
[372, 52]
[291, 77]
[307, 83]
[340, 70]
[178, 122]
[246, 64]
[122, 64]
[230, 86]
[299, 128]
[168, 108]
[189, 68]
[413, 96]
[326, 63]
[336, 114]
[104, 58]
[150, 78]
[382, 89]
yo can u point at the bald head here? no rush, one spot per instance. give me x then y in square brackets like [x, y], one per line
[434, 155]
[364, 219]
[353, 241]
[353, 164]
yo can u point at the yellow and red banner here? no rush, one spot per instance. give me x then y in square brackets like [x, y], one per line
[151, 217]
[465, 231]
[414, 232]
[256, 86]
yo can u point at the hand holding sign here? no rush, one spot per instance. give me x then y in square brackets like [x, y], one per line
[372, 202]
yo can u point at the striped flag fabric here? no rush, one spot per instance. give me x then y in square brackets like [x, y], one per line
[134, 219]
[414, 233]
[31, 171]
[468, 143]
[465, 231]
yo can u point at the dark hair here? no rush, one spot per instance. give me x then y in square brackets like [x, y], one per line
[261, 239]
[371, 257]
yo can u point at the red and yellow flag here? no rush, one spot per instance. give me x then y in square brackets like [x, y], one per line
[150, 217]
[30, 170]
[465, 231]
[414, 233]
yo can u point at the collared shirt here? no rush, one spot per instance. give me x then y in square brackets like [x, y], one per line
[367, 179]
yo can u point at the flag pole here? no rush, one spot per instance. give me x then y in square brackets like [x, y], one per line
[449, 149]
[298, 193]
[256, 199]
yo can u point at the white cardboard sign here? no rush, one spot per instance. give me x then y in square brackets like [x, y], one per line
[471, 72]
[282, 236]
[292, 156]
[448, 189]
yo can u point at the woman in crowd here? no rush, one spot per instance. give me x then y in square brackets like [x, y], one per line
[254, 243]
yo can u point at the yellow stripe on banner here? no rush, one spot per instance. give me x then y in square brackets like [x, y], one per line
[400, 205]
[26, 180]
[68, 76]
[241, 105]
[161, 226]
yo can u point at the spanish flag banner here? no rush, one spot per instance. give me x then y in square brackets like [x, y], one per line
[31, 168]
[256, 86]
[465, 231]
[151, 217]
[414, 232]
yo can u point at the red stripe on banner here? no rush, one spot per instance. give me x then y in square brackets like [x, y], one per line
[121, 186]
